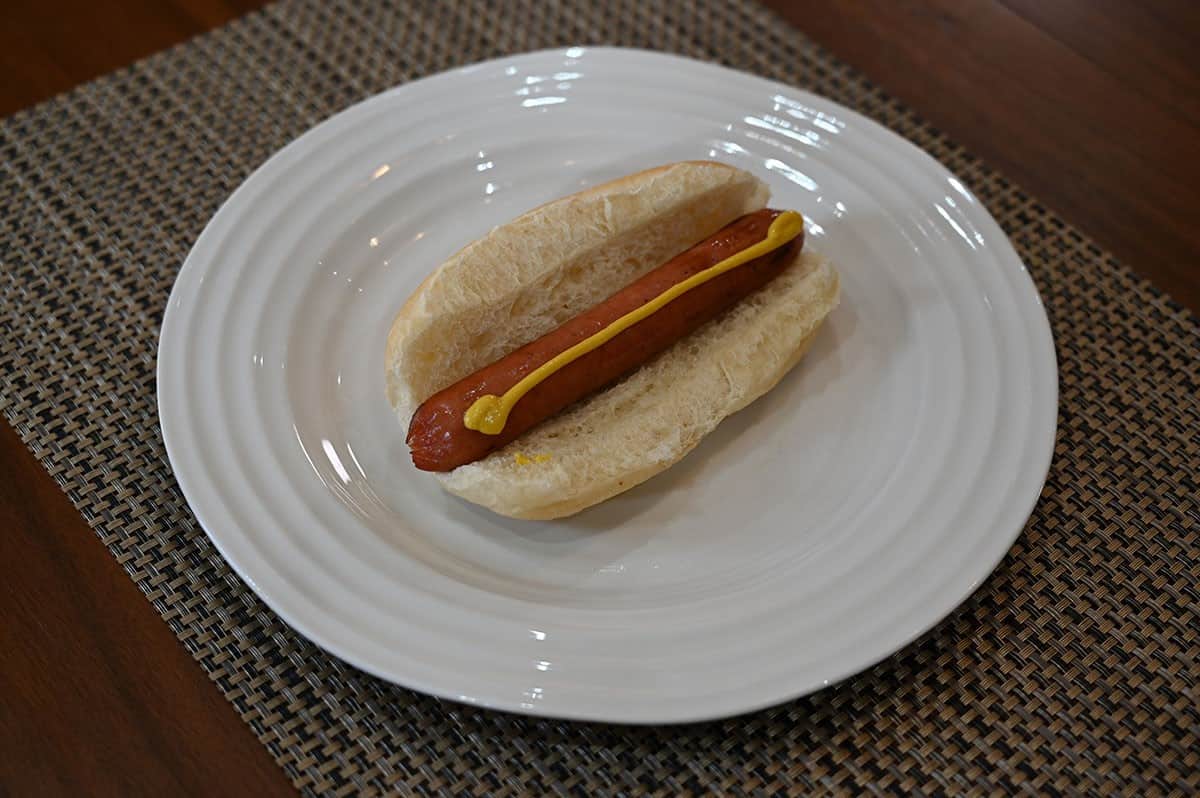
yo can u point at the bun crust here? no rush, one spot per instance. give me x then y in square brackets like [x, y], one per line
[528, 276]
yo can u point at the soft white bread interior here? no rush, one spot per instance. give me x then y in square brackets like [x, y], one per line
[528, 276]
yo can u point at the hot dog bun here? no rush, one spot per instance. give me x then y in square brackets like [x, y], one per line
[528, 276]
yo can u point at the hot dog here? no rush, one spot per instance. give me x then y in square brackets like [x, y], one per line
[440, 441]
[590, 343]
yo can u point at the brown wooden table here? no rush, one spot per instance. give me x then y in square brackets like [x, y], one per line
[1091, 105]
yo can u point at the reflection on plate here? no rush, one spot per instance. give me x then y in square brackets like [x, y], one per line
[813, 534]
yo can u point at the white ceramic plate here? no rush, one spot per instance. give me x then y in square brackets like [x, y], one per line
[813, 534]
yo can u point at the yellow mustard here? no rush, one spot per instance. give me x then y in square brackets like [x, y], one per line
[489, 413]
[523, 459]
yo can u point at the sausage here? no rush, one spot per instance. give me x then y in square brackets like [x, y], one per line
[439, 439]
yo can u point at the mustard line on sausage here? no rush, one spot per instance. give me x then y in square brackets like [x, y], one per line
[489, 413]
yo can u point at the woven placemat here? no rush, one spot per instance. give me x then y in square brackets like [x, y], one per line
[1074, 669]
